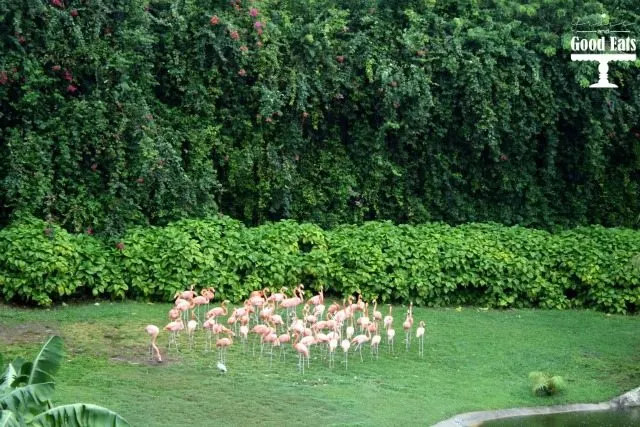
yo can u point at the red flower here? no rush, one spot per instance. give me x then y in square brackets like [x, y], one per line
[242, 72]
[257, 25]
[94, 167]
[234, 35]
[74, 12]
[340, 58]
[21, 40]
[120, 246]
[67, 75]
[504, 157]
[244, 49]
[71, 89]
[260, 31]
[57, 3]
[214, 20]
[253, 12]
[3, 77]
[89, 231]
[56, 68]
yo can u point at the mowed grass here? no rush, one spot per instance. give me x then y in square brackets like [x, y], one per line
[474, 360]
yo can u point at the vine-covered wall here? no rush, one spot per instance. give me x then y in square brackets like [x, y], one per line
[116, 113]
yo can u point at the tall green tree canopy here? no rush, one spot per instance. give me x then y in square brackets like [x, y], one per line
[123, 112]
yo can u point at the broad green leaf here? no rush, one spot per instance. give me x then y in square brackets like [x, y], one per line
[8, 419]
[79, 415]
[47, 362]
[24, 398]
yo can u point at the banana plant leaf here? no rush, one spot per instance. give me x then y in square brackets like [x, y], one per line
[8, 419]
[79, 415]
[47, 363]
[25, 399]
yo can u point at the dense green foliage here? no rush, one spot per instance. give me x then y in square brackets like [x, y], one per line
[430, 264]
[26, 389]
[116, 113]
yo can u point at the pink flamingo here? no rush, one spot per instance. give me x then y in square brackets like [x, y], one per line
[333, 344]
[408, 323]
[377, 316]
[359, 341]
[218, 311]
[420, 336]
[191, 328]
[345, 344]
[298, 299]
[222, 344]
[375, 343]
[174, 327]
[153, 331]
[388, 319]
[317, 299]
[303, 352]
[391, 333]
[283, 339]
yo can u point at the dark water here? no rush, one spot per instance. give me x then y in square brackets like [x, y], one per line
[625, 418]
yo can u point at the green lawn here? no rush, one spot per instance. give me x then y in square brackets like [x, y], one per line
[474, 360]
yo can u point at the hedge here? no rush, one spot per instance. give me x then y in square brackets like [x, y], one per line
[431, 264]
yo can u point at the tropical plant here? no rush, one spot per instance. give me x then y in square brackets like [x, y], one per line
[25, 395]
[545, 384]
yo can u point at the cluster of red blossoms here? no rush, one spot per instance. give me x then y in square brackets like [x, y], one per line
[66, 75]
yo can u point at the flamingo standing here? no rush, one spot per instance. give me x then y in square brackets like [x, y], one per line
[420, 336]
[377, 316]
[295, 301]
[375, 341]
[191, 328]
[153, 331]
[388, 319]
[345, 344]
[391, 333]
[359, 341]
[174, 327]
[222, 344]
[317, 299]
[333, 344]
[303, 352]
[218, 311]
[407, 326]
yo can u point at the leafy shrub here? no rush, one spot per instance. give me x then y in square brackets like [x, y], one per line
[430, 264]
[545, 384]
[26, 389]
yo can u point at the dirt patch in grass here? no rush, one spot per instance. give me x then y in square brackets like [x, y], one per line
[26, 333]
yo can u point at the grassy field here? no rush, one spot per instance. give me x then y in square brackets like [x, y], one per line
[474, 360]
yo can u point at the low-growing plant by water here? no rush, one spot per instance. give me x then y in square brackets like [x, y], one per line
[545, 384]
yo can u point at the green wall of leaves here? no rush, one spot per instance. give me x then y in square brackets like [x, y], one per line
[119, 113]
[430, 264]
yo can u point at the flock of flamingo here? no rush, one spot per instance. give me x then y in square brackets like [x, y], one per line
[272, 318]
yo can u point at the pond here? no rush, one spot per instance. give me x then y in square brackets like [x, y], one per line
[608, 418]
